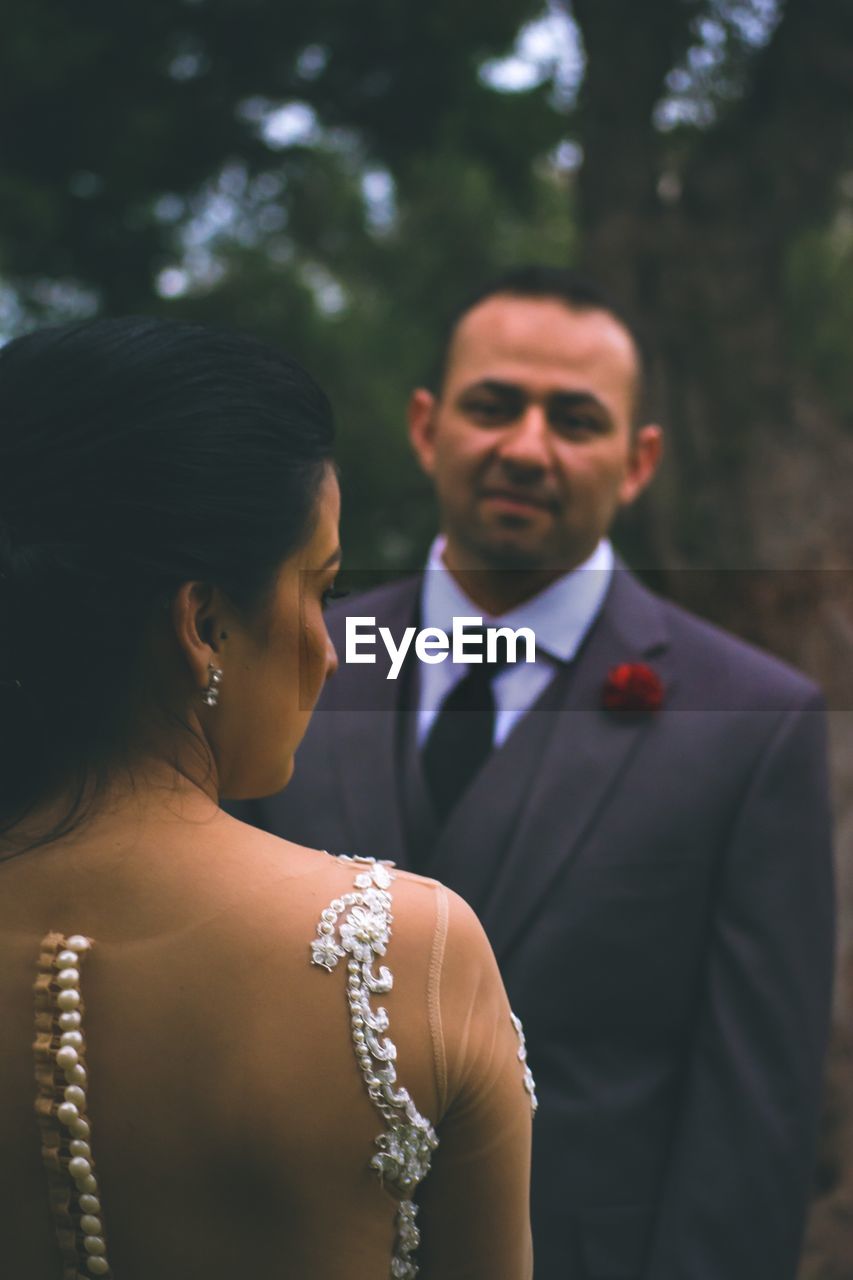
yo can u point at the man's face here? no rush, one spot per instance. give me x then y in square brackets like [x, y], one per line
[530, 443]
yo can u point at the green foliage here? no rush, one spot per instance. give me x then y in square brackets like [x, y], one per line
[104, 108]
[135, 141]
[819, 299]
[396, 289]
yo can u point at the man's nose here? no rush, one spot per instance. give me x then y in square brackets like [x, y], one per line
[527, 442]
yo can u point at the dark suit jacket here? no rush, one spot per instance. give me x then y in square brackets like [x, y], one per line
[658, 891]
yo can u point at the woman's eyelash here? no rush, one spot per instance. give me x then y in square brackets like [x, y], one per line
[333, 593]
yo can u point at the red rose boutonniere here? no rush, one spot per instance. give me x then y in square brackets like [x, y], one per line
[632, 687]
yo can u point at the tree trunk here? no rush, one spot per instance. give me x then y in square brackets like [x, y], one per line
[753, 518]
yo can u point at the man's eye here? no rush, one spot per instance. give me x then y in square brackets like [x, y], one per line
[489, 410]
[332, 593]
[575, 424]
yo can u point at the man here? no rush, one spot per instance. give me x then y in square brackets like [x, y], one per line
[646, 842]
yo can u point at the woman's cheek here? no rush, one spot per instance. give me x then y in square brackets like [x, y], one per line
[314, 647]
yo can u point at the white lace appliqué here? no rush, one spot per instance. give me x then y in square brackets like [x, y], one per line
[358, 925]
[529, 1082]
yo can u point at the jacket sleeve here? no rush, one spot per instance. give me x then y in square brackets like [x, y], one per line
[738, 1180]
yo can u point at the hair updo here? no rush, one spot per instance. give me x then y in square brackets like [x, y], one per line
[135, 455]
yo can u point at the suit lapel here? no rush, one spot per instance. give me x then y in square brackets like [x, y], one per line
[468, 851]
[564, 763]
[523, 820]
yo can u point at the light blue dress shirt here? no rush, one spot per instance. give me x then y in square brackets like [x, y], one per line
[560, 616]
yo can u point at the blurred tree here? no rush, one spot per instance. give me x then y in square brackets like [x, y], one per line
[337, 178]
[114, 116]
[708, 208]
[715, 193]
[362, 311]
[327, 177]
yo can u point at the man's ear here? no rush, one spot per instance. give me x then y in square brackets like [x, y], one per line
[421, 416]
[198, 618]
[646, 453]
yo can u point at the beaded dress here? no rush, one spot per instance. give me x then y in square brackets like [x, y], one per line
[354, 932]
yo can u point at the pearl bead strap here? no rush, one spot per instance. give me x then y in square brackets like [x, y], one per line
[60, 1066]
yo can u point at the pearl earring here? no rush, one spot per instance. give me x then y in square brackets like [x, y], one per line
[210, 696]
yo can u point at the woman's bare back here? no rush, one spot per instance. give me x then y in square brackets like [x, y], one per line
[231, 1125]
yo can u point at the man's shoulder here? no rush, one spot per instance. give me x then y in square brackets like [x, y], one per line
[721, 661]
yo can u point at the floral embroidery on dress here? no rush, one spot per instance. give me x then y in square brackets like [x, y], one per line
[61, 1108]
[358, 925]
[529, 1082]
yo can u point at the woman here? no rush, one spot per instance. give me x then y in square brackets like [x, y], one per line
[217, 1091]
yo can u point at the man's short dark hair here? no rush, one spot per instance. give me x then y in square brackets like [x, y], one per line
[563, 284]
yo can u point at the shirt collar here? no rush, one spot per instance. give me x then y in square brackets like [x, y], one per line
[559, 616]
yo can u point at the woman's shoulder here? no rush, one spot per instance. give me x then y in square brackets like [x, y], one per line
[316, 876]
[420, 921]
[465, 937]
[422, 908]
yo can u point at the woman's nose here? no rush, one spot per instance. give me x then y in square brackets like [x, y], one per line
[331, 659]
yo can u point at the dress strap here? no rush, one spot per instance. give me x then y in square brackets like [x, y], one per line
[357, 925]
[527, 1075]
[61, 1108]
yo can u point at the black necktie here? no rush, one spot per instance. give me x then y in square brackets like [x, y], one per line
[461, 735]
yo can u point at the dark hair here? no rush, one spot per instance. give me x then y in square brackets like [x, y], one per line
[537, 281]
[135, 455]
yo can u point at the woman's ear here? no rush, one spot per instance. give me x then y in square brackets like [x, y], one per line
[198, 619]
